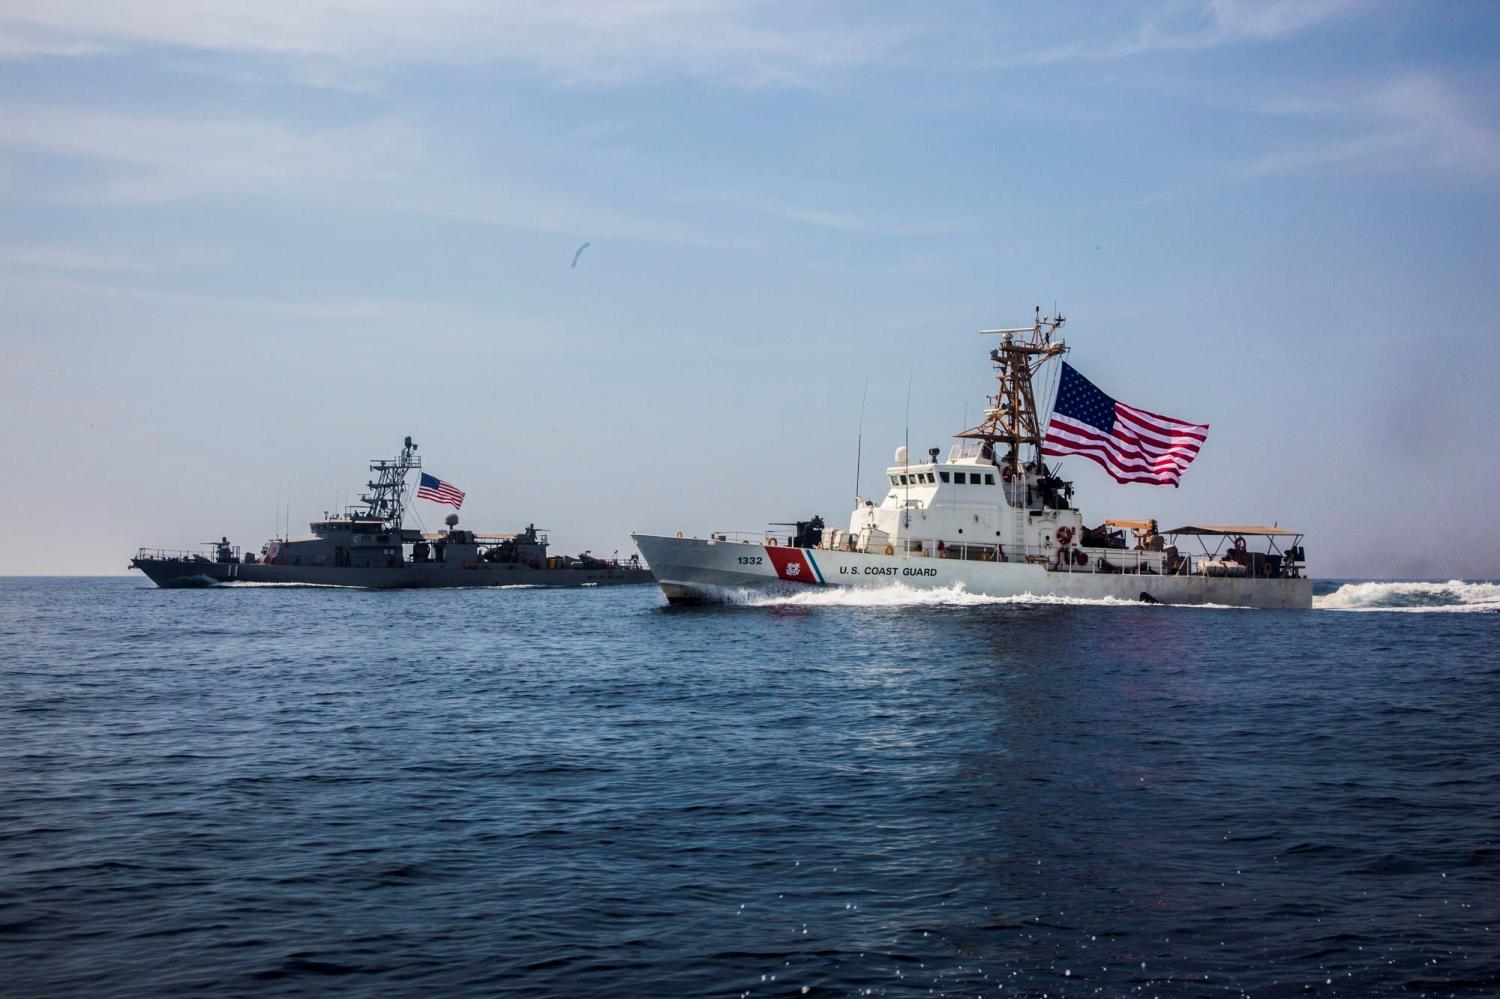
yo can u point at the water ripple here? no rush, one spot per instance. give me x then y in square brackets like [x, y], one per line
[306, 791]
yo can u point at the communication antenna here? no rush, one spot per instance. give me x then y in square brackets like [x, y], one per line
[906, 453]
[1012, 420]
[859, 444]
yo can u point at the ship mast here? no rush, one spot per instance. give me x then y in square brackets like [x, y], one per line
[1012, 420]
[386, 500]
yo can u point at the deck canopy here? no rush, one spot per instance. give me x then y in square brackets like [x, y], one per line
[1232, 530]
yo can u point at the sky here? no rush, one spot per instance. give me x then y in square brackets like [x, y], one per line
[245, 248]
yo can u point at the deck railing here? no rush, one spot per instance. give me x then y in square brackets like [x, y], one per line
[181, 555]
[1107, 560]
[1056, 559]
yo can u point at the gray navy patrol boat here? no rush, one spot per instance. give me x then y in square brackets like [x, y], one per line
[368, 546]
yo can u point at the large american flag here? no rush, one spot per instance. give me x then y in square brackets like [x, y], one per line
[1132, 444]
[433, 488]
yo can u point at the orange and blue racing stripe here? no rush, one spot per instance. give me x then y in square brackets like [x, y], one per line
[795, 565]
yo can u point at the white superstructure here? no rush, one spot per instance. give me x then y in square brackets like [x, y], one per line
[990, 515]
[965, 505]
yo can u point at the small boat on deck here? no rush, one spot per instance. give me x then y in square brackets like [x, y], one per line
[995, 517]
[368, 546]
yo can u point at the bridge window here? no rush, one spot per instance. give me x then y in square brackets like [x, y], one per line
[989, 478]
[944, 476]
[893, 481]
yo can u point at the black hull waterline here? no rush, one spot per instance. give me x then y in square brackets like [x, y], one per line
[179, 573]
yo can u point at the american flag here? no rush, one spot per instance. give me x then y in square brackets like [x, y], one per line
[435, 489]
[1132, 444]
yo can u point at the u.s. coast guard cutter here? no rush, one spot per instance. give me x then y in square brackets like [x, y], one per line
[994, 518]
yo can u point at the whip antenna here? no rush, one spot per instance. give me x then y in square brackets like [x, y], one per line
[859, 444]
[906, 451]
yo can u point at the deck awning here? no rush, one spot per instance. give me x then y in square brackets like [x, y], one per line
[1231, 530]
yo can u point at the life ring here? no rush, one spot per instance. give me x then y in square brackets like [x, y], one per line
[1239, 542]
[1007, 473]
[1065, 535]
[889, 550]
[1080, 557]
[679, 534]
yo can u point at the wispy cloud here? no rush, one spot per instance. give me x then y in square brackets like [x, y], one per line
[18, 42]
[158, 157]
[52, 257]
[737, 41]
[384, 164]
[1415, 122]
[743, 43]
[55, 292]
[1194, 26]
[812, 215]
[105, 259]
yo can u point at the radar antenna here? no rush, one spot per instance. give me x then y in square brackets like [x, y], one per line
[1011, 419]
[386, 500]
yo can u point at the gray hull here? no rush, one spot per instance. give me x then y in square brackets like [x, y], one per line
[189, 573]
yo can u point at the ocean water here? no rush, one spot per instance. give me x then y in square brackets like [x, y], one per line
[283, 791]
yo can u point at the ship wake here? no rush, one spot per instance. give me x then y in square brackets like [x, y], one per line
[1453, 597]
[897, 596]
[260, 584]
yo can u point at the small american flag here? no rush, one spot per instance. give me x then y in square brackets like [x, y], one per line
[1132, 444]
[435, 489]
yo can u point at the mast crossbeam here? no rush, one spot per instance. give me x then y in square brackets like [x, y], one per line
[386, 500]
[1012, 419]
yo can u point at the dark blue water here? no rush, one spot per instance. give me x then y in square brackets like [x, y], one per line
[281, 791]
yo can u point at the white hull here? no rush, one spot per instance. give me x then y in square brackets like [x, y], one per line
[693, 570]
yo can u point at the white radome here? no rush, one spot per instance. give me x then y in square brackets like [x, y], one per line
[993, 518]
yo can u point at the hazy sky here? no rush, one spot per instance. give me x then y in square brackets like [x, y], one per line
[245, 247]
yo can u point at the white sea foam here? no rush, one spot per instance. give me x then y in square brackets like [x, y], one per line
[243, 584]
[898, 595]
[246, 584]
[1453, 597]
